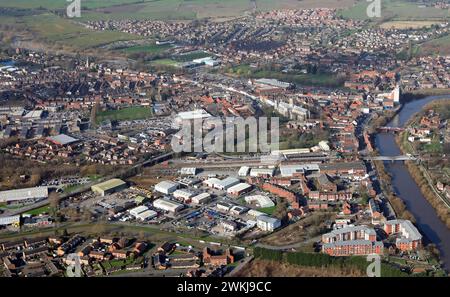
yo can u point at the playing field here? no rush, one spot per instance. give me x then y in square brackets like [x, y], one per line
[126, 114]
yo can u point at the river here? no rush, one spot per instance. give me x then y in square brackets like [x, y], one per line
[405, 187]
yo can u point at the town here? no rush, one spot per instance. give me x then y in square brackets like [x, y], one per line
[90, 177]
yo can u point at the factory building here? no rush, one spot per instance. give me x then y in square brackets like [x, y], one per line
[167, 205]
[28, 195]
[166, 187]
[239, 189]
[109, 187]
[260, 201]
[267, 223]
[201, 198]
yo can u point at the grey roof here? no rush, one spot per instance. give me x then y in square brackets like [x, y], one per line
[24, 194]
[63, 139]
[410, 232]
[352, 242]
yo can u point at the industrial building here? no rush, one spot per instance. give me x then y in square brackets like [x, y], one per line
[221, 184]
[183, 194]
[11, 220]
[147, 215]
[256, 172]
[244, 171]
[201, 198]
[28, 195]
[109, 187]
[239, 189]
[260, 201]
[166, 187]
[137, 210]
[167, 205]
[267, 223]
[300, 169]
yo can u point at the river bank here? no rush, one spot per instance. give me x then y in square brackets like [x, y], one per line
[417, 171]
[404, 186]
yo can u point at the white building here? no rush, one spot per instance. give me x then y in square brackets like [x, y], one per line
[260, 201]
[239, 189]
[167, 205]
[244, 171]
[147, 215]
[137, 210]
[11, 220]
[267, 223]
[166, 187]
[201, 198]
[24, 195]
[255, 172]
[291, 170]
[183, 194]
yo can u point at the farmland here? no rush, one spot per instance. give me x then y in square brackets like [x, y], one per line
[397, 10]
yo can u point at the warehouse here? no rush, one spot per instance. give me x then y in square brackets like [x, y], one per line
[256, 172]
[188, 171]
[239, 189]
[183, 194]
[167, 205]
[244, 171]
[62, 140]
[201, 198]
[226, 183]
[27, 195]
[267, 223]
[137, 210]
[11, 220]
[147, 215]
[260, 201]
[300, 169]
[109, 187]
[166, 187]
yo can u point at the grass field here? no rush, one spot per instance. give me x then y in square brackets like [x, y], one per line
[130, 113]
[171, 9]
[407, 24]
[268, 210]
[38, 211]
[63, 32]
[165, 62]
[395, 9]
[325, 80]
[146, 48]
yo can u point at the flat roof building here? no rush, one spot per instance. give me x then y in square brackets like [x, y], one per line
[201, 198]
[239, 189]
[267, 223]
[260, 200]
[166, 187]
[109, 187]
[167, 205]
[62, 139]
[26, 195]
[147, 215]
[292, 170]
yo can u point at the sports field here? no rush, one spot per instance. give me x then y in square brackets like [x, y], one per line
[126, 114]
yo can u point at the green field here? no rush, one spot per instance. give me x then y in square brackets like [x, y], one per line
[325, 80]
[58, 31]
[130, 113]
[268, 210]
[165, 62]
[395, 9]
[38, 211]
[146, 48]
